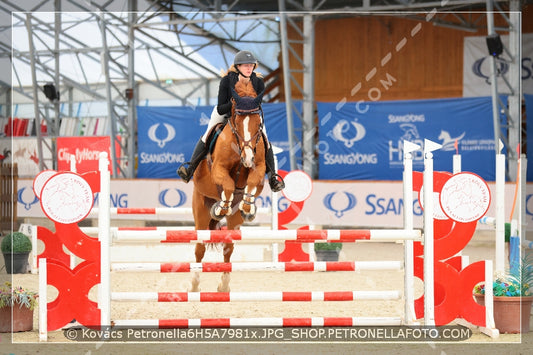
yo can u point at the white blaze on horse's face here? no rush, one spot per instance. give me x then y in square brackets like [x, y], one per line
[247, 156]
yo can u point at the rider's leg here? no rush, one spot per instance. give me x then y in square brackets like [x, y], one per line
[274, 180]
[200, 151]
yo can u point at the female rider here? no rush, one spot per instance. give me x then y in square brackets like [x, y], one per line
[242, 69]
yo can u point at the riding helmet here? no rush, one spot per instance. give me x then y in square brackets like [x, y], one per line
[244, 57]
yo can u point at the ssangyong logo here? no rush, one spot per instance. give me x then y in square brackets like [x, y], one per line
[339, 205]
[171, 133]
[167, 198]
[344, 127]
[21, 197]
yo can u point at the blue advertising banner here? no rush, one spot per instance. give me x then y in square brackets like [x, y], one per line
[276, 124]
[167, 136]
[364, 140]
[529, 114]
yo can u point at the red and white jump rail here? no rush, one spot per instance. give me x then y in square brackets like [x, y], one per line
[94, 230]
[250, 236]
[309, 296]
[163, 211]
[258, 266]
[264, 322]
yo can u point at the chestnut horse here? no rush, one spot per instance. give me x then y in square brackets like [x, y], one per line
[227, 182]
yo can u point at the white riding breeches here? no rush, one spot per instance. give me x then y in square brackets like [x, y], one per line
[216, 118]
[213, 121]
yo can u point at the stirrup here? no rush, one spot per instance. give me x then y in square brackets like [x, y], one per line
[183, 172]
[275, 184]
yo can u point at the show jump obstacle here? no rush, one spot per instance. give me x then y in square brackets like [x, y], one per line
[66, 198]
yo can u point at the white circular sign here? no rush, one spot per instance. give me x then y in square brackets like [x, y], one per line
[298, 186]
[66, 198]
[40, 180]
[465, 197]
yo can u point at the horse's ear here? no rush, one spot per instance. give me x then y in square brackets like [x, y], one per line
[236, 96]
[259, 98]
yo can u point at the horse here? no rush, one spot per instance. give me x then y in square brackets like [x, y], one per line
[228, 181]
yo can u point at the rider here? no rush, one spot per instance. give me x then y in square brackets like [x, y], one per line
[242, 69]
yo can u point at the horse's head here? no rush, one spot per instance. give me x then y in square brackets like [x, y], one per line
[246, 123]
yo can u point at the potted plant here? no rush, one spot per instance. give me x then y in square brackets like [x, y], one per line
[16, 308]
[328, 251]
[513, 296]
[16, 248]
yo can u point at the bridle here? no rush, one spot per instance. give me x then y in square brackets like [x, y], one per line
[242, 143]
[240, 139]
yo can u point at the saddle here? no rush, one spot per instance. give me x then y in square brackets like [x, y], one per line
[213, 135]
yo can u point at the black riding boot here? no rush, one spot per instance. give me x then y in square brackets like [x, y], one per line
[200, 151]
[275, 184]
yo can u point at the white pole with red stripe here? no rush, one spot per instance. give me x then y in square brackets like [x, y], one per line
[280, 296]
[258, 266]
[163, 211]
[265, 322]
[307, 236]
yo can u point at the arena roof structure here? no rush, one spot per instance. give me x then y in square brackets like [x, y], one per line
[114, 54]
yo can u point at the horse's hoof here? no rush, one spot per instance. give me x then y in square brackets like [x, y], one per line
[222, 289]
[213, 214]
[248, 217]
[193, 289]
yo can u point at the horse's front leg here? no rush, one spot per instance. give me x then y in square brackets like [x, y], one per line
[223, 286]
[199, 253]
[247, 205]
[222, 208]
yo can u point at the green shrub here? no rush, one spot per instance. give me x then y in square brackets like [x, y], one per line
[328, 246]
[17, 242]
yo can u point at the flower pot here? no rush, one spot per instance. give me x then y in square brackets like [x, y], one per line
[327, 255]
[16, 263]
[508, 311]
[22, 319]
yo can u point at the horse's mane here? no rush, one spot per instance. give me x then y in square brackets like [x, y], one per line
[245, 89]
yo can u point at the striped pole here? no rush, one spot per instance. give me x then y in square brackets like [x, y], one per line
[94, 230]
[164, 211]
[308, 296]
[304, 236]
[491, 221]
[259, 266]
[265, 322]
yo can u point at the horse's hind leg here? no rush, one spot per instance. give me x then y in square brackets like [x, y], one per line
[199, 252]
[223, 286]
